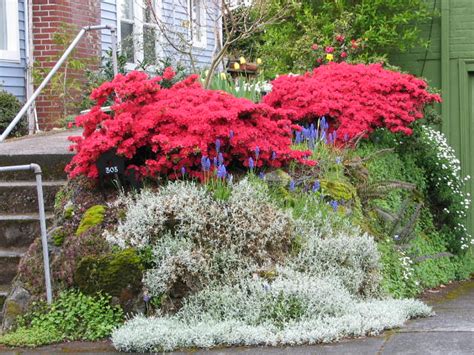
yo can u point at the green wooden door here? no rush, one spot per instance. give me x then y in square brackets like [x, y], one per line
[470, 156]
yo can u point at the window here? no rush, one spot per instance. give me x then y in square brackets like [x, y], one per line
[9, 32]
[138, 31]
[197, 19]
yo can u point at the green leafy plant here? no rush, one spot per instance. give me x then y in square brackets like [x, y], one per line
[72, 316]
[9, 107]
[251, 89]
[383, 26]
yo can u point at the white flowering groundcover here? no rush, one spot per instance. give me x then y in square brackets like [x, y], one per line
[253, 285]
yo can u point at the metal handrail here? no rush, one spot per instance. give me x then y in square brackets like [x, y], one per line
[42, 217]
[56, 67]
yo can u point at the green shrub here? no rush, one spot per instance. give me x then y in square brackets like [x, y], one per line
[384, 26]
[9, 108]
[72, 316]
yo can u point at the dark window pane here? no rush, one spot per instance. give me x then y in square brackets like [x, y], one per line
[3, 25]
[149, 45]
[128, 48]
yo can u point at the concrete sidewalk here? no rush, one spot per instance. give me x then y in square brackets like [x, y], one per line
[53, 142]
[451, 331]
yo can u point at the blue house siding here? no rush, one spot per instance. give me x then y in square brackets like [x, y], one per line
[174, 13]
[12, 75]
[108, 13]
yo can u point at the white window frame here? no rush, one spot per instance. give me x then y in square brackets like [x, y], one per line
[12, 53]
[138, 26]
[200, 26]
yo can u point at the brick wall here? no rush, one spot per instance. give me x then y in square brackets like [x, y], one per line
[51, 17]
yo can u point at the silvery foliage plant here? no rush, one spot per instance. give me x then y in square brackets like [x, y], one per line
[248, 284]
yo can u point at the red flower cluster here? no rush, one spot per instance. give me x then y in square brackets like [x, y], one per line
[339, 49]
[161, 131]
[354, 99]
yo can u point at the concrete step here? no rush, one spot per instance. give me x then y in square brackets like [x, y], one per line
[19, 197]
[20, 230]
[52, 166]
[9, 260]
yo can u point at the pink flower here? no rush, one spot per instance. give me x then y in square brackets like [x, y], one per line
[340, 38]
[329, 49]
[319, 60]
[343, 55]
[314, 47]
[169, 73]
[354, 44]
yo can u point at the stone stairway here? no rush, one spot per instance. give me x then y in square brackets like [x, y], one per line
[19, 221]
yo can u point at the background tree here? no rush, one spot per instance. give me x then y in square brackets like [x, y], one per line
[385, 26]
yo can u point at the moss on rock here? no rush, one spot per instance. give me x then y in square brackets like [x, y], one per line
[92, 217]
[338, 190]
[117, 274]
[58, 235]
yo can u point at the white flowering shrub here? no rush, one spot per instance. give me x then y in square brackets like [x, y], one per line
[447, 186]
[243, 272]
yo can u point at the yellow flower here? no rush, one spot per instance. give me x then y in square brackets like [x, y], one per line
[223, 76]
[329, 57]
[259, 61]
[206, 73]
[236, 66]
[242, 60]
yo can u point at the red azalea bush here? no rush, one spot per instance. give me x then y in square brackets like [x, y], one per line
[165, 132]
[354, 99]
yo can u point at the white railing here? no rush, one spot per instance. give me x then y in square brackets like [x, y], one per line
[56, 67]
[42, 219]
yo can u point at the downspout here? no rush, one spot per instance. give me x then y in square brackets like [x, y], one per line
[445, 79]
[29, 64]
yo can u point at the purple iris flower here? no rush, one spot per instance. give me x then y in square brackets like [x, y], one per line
[316, 186]
[338, 160]
[221, 172]
[274, 155]
[298, 138]
[231, 134]
[261, 175]
[183, 171]
[214, 160]
[218, 145]
[146, 298]
[334, 204]
[323, 122]
[203, 163]
[292, 185]
[257, 152]
[334, 135]
[220, 158]
[251, 163]
[346, 137]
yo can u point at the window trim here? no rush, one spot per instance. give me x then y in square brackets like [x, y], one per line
[12, 53]
[203, 27]
[138, 26]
